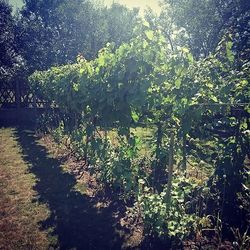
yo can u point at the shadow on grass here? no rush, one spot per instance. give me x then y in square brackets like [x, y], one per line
[76, 223]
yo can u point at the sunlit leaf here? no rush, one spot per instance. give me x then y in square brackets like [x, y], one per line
[149, 34]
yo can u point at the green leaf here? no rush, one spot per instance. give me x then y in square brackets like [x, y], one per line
[190, 57]
[178, 83]
[230, 55]
[214, 98]
[101, 61]
[135, 116]
[146, 24]
[149, 34]
[145, 44]
[185, 50]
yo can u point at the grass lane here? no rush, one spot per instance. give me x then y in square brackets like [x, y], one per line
[20, 212]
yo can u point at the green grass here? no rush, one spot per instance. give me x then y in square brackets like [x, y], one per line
[21, 213]
[145, 135]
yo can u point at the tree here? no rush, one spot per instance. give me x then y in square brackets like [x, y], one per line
[9, 59]
[120, 22]
[204, 21]
[55, 32]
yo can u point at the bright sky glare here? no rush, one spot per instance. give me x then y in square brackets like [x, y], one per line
[142, 4]
[16, 3]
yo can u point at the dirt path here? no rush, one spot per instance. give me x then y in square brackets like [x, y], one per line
[67, 215]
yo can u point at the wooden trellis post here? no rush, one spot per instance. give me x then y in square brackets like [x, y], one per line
[170, 169]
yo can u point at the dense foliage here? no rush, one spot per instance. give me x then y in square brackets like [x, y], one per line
[9, 59]
[54, 32]
[200, 25]
[48, 33]
[145, 84]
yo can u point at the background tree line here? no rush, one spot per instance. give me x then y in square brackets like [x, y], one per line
[47, 33]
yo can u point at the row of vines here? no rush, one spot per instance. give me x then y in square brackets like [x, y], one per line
[161, 128]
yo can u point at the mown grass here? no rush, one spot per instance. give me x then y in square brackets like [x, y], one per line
[145, 135]
[20, 212]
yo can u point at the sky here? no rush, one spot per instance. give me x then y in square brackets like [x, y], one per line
[16, 3]
[142, 4]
